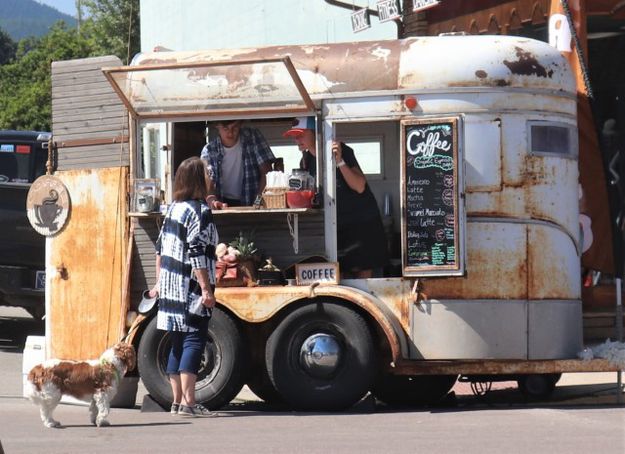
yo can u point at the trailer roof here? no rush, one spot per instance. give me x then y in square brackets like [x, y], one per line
[289, 79]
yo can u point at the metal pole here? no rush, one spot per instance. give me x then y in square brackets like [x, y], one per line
[619, 336]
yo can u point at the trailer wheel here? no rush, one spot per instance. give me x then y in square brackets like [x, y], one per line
[537, 386]
[413, 390]
[321, 357]
[222, 370]
[260, 384]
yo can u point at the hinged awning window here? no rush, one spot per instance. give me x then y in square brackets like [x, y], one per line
[211, 89]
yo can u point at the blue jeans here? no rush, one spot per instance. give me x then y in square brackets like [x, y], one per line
[186, 351]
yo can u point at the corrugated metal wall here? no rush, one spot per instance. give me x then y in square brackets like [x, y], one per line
[86, 109]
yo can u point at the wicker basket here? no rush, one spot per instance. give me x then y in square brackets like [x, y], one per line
[275, 198]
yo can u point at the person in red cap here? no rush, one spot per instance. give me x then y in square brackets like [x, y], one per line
[360, 233]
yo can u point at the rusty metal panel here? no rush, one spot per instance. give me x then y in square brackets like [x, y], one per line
[482, 61]
[496, 265]
[495, 367]
[553, 191]
[482, 153]
[509, 201]
[258, 304]
[554, 329]
[477, 61]
[446, 329]
[553, 264]
[85, 264]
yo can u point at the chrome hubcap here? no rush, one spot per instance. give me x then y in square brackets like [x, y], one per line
[320, 355]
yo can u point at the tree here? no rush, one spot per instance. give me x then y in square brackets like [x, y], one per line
[7, 47]
[113, 27]
[25, 88]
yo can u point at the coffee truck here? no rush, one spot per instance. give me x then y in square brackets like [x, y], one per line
[471, 152]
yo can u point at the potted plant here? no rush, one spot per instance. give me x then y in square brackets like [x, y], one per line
[248, 253]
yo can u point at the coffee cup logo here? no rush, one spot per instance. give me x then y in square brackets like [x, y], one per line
[47, 205]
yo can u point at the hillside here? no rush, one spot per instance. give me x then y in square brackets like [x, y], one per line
[22, 18]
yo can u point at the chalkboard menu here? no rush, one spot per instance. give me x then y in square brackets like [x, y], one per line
[430, 194]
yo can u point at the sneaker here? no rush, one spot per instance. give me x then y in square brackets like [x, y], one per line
[196, 411]
[174, 408]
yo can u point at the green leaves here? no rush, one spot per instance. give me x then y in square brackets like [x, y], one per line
[25, 86]
[244, 244]
[111, 28]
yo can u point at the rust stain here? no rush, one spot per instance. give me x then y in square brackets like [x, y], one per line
[88, 259]
[527, 65]
[496, 367]
[267, 301]
[481, 74]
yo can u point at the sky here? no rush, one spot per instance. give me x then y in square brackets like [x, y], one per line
[64, 6]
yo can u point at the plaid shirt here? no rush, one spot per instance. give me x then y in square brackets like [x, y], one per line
[186, 242]
[256, 151]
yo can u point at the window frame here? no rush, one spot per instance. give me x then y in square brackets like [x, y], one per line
[573, 139]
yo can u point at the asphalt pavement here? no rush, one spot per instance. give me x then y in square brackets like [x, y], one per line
[588, 400]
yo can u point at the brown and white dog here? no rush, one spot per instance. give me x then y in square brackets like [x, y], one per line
[94, 381]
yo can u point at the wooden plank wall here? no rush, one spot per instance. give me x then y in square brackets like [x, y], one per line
[84, 106]
[272, 237]
[143, 274]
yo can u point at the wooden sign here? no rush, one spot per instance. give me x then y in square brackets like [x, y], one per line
[431, 212]
[47, 205]
[420, 5]
[388, 10]
[309, 273]
[360, 20]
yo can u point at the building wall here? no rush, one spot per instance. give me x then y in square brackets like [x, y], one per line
[201, 24]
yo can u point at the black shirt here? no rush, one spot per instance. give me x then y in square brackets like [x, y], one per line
[351, 207]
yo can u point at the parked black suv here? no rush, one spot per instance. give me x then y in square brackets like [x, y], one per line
[23, 156]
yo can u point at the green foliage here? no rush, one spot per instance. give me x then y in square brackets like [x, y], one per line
[245, 245]
[25, 86]
[25, 89]
[113, 27]
[7, 47]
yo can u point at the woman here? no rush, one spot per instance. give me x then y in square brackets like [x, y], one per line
[360, 233]
[185, 282]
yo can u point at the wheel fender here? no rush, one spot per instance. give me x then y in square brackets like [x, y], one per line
[380, 312]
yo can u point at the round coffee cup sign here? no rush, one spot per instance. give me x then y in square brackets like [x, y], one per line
[47, 205]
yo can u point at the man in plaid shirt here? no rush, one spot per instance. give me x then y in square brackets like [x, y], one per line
[238, 160]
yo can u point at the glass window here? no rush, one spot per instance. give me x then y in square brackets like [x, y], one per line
[552, 138]
[368, 153]
[290, 154]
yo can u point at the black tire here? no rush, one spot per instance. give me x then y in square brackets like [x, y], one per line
[222, 371]
[537, 386]
[322, 387]
[260, 384]
[413, 390]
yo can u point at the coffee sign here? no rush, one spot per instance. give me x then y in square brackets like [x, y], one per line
[431, 209]
[47, 205]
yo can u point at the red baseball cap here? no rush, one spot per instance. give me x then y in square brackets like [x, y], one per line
[299, 125]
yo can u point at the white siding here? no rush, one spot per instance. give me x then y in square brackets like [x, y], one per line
[201, 24]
